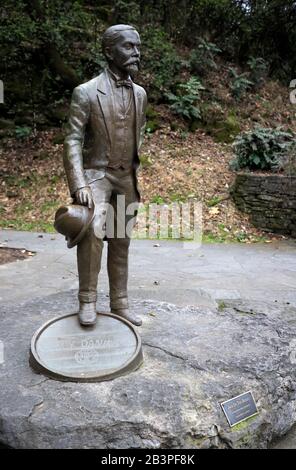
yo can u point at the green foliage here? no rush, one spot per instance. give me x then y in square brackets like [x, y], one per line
[185, 103]
[258, 68]
[221, 126]
[153, 122]
[226, 130]
[240, 83]
[213, 238]
[48, 47]
[151, 126]
[126, 12]
[221, 305]
[177, 197]
[157, 200]
[20, 224]
[22, 131]
[213, 201]
[160, 59]
[51, 21]
[151, 113]
[145, 160]
[202, 59]
[49, 207]
[242, 28]
[261, 149]
[44, 52]
[95, 60]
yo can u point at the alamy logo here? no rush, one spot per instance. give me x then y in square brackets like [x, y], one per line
[1, 352]
[293, 92]
[181, 221]
[1, 92]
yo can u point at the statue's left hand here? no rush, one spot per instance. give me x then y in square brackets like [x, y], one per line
[84, 197]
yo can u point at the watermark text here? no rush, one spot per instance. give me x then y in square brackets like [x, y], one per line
[175, 221]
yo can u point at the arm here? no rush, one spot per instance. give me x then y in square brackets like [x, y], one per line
[73, 160]
[143, 120]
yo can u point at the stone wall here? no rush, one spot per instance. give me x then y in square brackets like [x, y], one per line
[269, 199]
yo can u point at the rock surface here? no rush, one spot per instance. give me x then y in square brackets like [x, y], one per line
[194, 359]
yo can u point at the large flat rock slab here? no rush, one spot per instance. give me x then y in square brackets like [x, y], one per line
[194, 359]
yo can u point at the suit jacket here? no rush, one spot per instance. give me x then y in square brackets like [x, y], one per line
[89, 132]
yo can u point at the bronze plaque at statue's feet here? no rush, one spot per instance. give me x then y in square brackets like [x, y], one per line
[64, 350]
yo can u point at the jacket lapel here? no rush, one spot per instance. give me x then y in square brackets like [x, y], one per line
[105, 100]
[106, 103]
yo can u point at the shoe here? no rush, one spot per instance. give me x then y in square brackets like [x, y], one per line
[87, 314]
[125, 313]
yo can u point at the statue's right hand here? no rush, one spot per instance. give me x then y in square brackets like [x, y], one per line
[84, 197]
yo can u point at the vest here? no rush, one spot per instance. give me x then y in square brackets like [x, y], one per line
[124, 134]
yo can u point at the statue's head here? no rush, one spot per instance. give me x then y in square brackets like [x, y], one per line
[121, 47]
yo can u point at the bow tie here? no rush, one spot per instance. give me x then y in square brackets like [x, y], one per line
[126, 83]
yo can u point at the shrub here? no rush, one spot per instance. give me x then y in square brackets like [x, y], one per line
[259, 69]
[261, 149]
[185, 103]
[22, 131]
[240, 83]
[202, 59]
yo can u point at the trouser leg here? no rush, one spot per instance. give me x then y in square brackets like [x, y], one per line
[118, 272]
[89, 250]
[118, 245]
[89, 254]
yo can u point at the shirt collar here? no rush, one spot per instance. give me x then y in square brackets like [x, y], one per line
[115, 77]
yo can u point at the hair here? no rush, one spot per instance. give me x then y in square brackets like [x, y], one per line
[112, 34]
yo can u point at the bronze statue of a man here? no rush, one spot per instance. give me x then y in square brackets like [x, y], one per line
[103, 137]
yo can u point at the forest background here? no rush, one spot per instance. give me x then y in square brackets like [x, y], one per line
[213, 69]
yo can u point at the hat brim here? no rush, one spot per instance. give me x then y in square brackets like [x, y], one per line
[73, 242]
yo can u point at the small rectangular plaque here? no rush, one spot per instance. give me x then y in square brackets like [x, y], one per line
[239, 408]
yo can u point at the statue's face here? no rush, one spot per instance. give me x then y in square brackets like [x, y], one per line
[125, 54]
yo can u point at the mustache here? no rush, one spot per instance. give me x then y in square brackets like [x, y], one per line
[132, 62]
